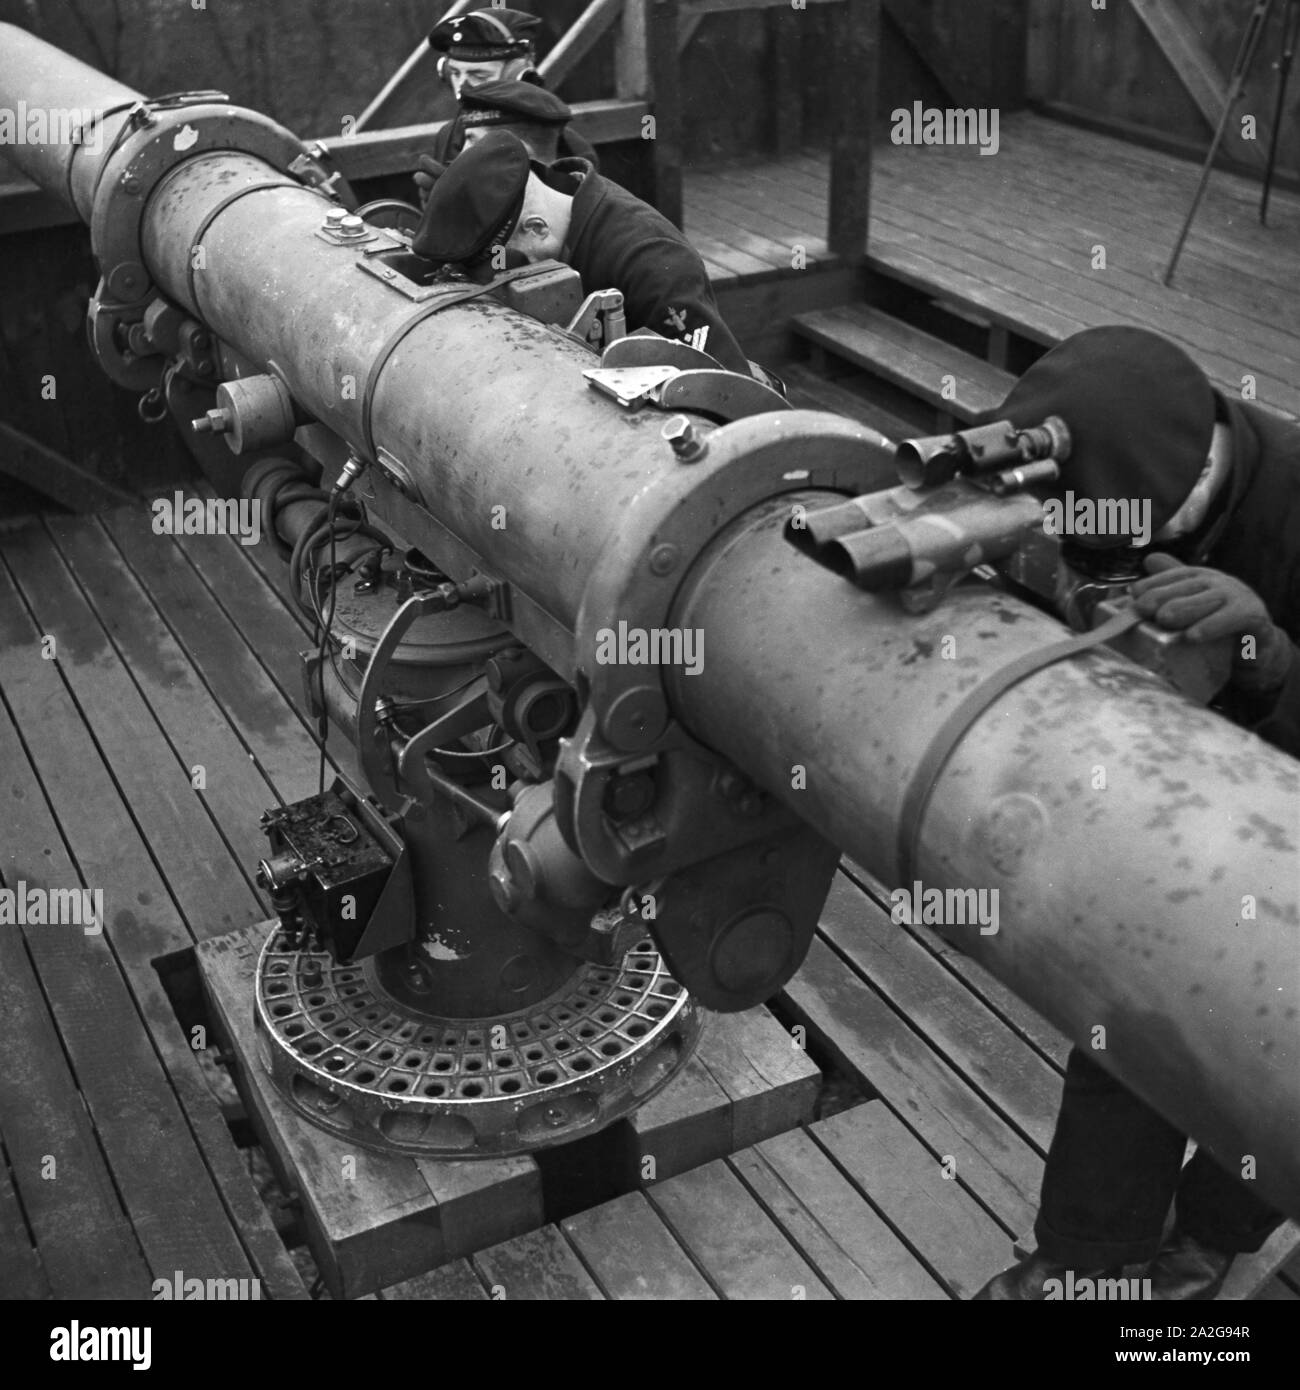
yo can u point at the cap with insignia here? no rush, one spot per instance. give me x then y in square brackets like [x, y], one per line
[485, 35]
[476, 204]
[1140, 413]
[512, 103]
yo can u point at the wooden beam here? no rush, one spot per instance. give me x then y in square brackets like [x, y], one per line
[1043, 51]
[856, 49]
[1197, 71]
[580, 39]
[785, 30]
[668, 146]
[373, 153]
[421, 61]
[631, 71]
[52, 475]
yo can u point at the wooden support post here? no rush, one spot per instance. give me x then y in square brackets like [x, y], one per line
[665, 84]
[785, 30]
[856, 46]
[58, 478]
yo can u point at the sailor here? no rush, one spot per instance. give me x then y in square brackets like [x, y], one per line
[490, 46]
[1222, 560]
[494, 196]
[538, 117]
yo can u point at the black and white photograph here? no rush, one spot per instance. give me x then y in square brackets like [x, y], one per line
[648, 652]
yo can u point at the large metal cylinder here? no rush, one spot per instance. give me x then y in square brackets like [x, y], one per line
[1125, 908]
[1130, 834]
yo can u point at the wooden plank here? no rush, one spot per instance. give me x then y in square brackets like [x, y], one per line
[1276, 1291]
[939, 374]
[200, 875]
[165, 1184]
[871, 1042]
[855, 37]
[1179, 41]
[175, 689]
[1005, 1071]
[452, 1283]
[87, 1247]
[668, 148]
[830, 1221]
[631, 1253]
[537, 1267]
[274, 734]
[704, 8]
[631, 54]
[955, 1237]
[383, 1224]
[21, 1273]
[49, 473]
[1018, 1016]
[743, 1252]
[578, 40]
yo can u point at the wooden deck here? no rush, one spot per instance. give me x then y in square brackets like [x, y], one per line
[174, 654]
[1011, 239]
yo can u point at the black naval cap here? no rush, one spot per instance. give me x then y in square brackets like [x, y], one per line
[512, 103]
[476, 203]
[485, 35]
[1141, 417]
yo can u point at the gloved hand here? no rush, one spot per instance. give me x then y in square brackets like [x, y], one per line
[1205, 605]
[429, 172]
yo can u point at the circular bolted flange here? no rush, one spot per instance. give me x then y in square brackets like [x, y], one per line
[361, 1064]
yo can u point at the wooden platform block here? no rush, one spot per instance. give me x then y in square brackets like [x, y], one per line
[538, 1267]
[748, 1081]
[372, 1220]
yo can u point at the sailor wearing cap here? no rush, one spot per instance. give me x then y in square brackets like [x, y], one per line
[485, 46]
[493, 195]
[1220, 483]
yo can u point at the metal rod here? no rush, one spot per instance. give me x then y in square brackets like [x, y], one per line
[1241, 68]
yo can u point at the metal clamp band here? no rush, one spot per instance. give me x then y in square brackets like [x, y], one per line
[958, 724]
[427, 310]
[212, 217]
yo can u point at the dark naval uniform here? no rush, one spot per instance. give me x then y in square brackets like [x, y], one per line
[1115, 1165]
[618, 242]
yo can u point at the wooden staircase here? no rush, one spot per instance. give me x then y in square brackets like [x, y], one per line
[889, 373]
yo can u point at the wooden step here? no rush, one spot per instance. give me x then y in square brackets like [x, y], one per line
[952, 381]
[809, 391]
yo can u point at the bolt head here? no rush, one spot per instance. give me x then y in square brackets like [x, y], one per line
[664, 559]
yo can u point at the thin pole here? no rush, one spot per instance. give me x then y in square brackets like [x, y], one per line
[1240, 69]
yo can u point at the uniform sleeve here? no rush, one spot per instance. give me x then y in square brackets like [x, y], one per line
[1274, 716]
[666, 288]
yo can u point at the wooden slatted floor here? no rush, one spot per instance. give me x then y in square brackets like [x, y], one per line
[1012, 238]
[171, 655]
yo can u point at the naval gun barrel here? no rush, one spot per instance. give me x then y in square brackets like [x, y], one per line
[1144, 850]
